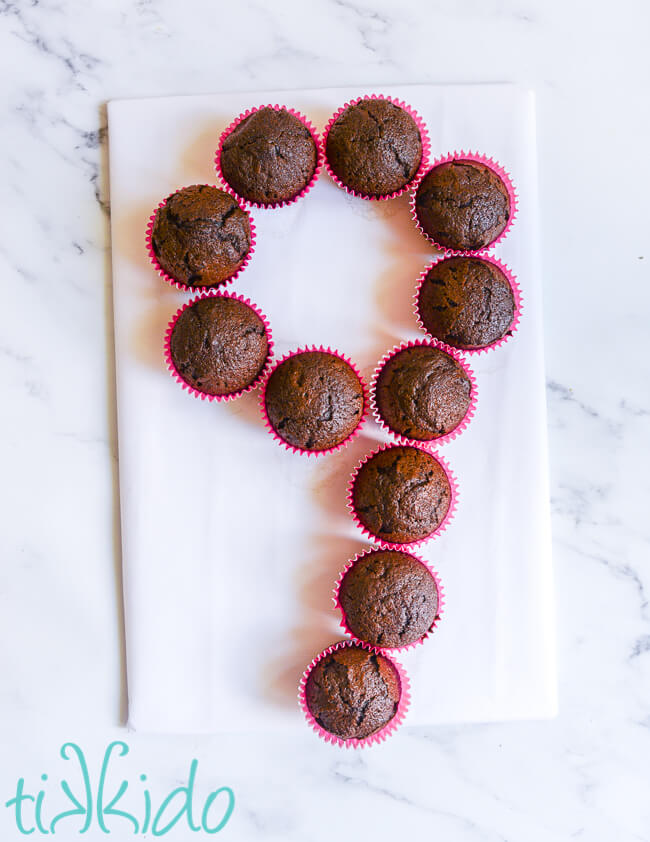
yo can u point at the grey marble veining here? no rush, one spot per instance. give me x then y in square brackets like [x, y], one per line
[585, 775]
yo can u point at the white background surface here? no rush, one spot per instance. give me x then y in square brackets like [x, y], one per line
[231, 544]
[582, 776]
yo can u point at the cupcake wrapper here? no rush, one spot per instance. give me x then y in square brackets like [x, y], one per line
[516, 291]
[178, 284]
[319, 157]
[353, 434]
[378, 736]
[348, 630]
[431, 443]
[424, 136]
[407, 547]
[232, 395]
[479, 159]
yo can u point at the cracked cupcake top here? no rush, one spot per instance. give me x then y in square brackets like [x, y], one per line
[422, 393]
[269, 157]
[353, 693]
[462, 205]
[401, 494]
[219, 345]
[201, 236]
[374, 147]
[314, 400]
[466, 302]
[389, 598]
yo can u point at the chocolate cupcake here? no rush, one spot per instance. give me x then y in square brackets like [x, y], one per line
[422, 392]
[314, 400]
[401, 495]
[374, 147]
[462, 205]
[353, 693]
[269, 157]
[218, 345]
[389, 598]
[467, 302]
[201, 237]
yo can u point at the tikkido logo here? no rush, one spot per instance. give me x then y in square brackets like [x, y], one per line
[86, 806]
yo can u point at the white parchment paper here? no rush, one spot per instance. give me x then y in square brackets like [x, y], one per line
[231, 545]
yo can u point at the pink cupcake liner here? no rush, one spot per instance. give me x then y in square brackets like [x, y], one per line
[424, 136]
[178, 284]
[514, 285]
[378, 736]
[348, 630]
[480, 159]
[407, 547]
[458, 429]
[319, 156]
[353, 434]
[178, 376]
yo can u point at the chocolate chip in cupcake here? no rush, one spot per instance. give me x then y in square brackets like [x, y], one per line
[201, 236]
[401, 494]
[466, 302]
[314, 400]
[269, 157]
[353, 693]
[422, 392]
[462, 205]
[389, 598]
[374, 147]
[219, 345]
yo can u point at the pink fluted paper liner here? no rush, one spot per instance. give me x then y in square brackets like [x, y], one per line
[380, 735]
[424, 137]
[409, 546]
[231, 395]
[178, 284]
[428, 633]
[479, 159]
[514, 285]
[353, 434]
[458, 429]
[319, 156]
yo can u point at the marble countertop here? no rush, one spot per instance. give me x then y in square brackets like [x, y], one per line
[585, 775]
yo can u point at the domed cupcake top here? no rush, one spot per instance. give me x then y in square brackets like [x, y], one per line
[401, 494]
[388, 598]
[422, 392]
[314, 400]
[462, 205]
[353, 692]
[200, 236]
[219, 345]
[466, 302]
[374, 147]
[269, 157]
